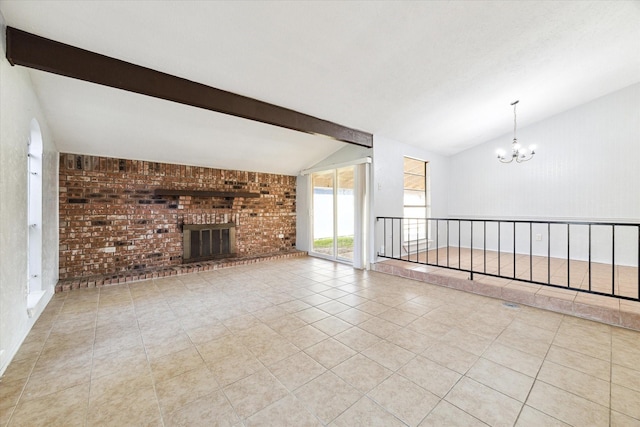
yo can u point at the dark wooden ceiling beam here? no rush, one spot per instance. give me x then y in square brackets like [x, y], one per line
[43, 54]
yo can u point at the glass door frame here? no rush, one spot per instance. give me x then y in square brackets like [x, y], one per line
[335, 193]
[361, 169]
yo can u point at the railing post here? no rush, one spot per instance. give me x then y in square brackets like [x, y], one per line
[437, 242]
[484, 245]
[548, 253]
[613, 259]
[384, 236]
[428, 225]
[417, 240]
[499, 267]
[471, 223]
[514, 249]
[530, 251]
[589, 257]
[459, 237]
[568, 258]
[447, 243]
[392, 239]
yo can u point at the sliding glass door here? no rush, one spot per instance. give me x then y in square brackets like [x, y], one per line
[333, 213]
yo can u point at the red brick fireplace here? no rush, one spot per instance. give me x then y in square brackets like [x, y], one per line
[120, 215]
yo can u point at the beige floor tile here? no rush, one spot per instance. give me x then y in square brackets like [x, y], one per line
[404, 399]
[236, 366]
[429, 375]
[333, 307]
[626, 355]
[285, 324]
[629, 378]
[211, 410]
[580, 362]
[55, 381]
[354, 316]
[365, 412]
[286, 412]
[10, 392]
[312, 314]
[567, 407]
[373, 308]
[18, 370]
[389, 355]
[484, 403]
[379, 327]
[361, 372]
[446, 414]
[622, 420]
[168, 345]
[352, 300]
[131, 359]
[397, 316]
[316, 299]
[410, 340]
[451, 357]
[541, 318]
[296, 370]
[5, 415]
[139, 408]
[255, 392]
[327, 396]
[466, 341]
[305, 336]
[578, 383]
[512, 383]
[55, 363]
[49, 411]
[357, 339]
[625, 401]
[429, 328]
[176, 392]
[176, 363]
[274, 351]
[330, 352]
[115, 386]
[514, 359]
[206, 333]
[332, 325]
[294, 306]
[530, 417]
[520, 341]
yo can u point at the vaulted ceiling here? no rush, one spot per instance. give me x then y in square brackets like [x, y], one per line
[438, 74]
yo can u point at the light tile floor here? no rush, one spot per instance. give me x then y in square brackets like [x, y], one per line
[306, 342]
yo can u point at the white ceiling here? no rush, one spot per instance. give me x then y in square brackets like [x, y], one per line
[436, 74]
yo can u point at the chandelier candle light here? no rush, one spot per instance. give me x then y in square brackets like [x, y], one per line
[518, 153]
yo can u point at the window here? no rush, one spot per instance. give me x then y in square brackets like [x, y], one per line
[34, 217]
[417, 203]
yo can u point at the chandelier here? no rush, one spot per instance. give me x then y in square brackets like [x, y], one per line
[518, 153]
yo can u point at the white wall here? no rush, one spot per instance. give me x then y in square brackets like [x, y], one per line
[587, 167]
[18, 106]
[388, 182]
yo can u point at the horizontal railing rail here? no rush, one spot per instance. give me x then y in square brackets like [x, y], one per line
[601, 258]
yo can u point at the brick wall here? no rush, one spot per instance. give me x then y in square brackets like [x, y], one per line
[110, 221]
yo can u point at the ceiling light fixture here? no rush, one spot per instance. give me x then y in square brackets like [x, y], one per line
[518, 153]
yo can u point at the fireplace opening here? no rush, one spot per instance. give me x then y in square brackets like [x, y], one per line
[203, 242]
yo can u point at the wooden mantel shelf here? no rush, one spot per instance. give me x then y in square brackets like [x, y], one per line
[200, 193]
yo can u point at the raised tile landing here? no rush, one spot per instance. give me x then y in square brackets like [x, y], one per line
[176, 270]
[608, 310]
